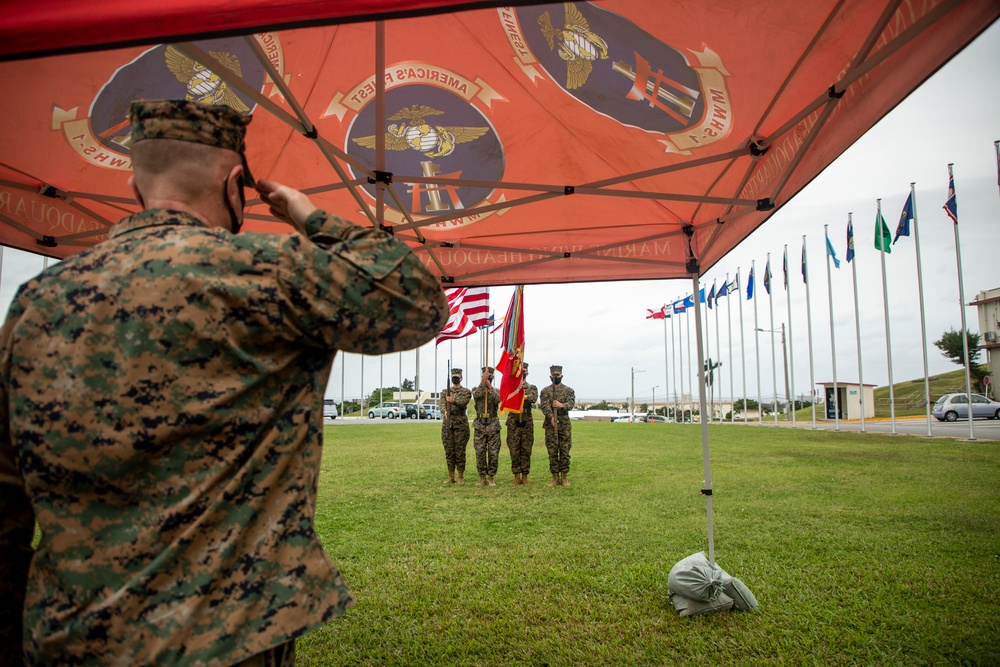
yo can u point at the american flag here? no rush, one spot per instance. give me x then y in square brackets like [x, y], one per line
[470, 309]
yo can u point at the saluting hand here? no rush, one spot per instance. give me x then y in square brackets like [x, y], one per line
[287, 204]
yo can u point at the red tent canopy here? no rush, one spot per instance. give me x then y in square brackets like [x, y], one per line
[533, 143]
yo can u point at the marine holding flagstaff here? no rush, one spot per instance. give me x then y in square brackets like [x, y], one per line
[454, 404]
[487, 428]
[556, 401]
[161, 413]
[521, 432]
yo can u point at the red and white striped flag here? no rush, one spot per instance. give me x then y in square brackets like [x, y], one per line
[470, 309]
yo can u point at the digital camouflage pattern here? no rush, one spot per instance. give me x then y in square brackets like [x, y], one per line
[455, 425]
[161, 406]
[558, 439]
[521, 432]
[210, 124]
[486, 440]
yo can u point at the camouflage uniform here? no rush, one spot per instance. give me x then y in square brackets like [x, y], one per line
[521, 431]
[558, 439]
[455, 425]
[487, 438]
[161, 407]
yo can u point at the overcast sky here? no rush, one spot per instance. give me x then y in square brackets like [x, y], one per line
[598, 332]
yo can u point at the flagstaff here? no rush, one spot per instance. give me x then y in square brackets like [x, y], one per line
[882, 243]
[729, 328]
[923, 318]
[809, 327]
[743, 347]
[774, 357]
[833, 338]
[951, 208]
[752, 293]
[852, 259]
[790, 368]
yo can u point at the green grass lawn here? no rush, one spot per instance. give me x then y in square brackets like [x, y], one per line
[861, 549]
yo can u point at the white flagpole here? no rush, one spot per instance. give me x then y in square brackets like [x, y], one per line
[717, 379]
[961, 307]
[673, 344]
[666, 366]
[729, 328]
[343, 379]
[756, 342]
[690, 377]
[743, 348]
[923, 320]
[809, 326]
[362, 385]
[791, 350]
[833, 339]
[857, 326]
[774, 361]
[381, 380]
[888, 334]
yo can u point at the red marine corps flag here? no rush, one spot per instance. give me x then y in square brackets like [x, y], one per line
[511, 363]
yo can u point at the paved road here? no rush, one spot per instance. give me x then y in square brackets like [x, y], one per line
[983, 429]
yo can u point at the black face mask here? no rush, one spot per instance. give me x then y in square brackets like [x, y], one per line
[456, 380]
[556, 380]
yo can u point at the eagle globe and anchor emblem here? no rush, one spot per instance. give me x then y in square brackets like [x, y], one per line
[433, 141]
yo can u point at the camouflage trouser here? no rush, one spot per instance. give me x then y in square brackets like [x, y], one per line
[486, 442]
[455, 438]
[279, 656]
[520, 439]
[558, 446]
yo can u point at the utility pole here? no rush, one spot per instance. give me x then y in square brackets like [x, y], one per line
[632, 399]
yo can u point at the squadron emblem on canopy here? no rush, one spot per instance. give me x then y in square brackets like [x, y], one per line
[204, 85]
[578, 46]
[431, 140]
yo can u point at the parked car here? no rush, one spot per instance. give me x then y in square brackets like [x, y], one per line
[415, 411]
[433, 411]
[626, 419]
[329, 409]
[951, 407]
[657, 418]
[383, 410]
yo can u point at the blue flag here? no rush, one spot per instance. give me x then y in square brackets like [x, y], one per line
[723, 291]
[750, 285]
[805, 272]
[784, 266]
[767, 276]
[710, 299]
[850, 241]
[832, 253]
[679, 306]
[951, 206]
[903, 228]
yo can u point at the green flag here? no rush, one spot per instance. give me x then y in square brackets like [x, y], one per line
[883, 237]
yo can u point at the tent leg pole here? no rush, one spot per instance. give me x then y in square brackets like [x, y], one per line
[703, 407]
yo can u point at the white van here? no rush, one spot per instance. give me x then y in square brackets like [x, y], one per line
[329, 408]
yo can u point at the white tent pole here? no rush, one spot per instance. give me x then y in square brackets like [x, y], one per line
[756, 341]
[853, 259]
[923, 320]
[791, 350]
[690, 378]
[743, 347]
[774, 357]
[707, 490]
[809, 326]
[833, 338]
[885, 307]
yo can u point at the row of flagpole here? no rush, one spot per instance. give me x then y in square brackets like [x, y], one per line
[907, 221]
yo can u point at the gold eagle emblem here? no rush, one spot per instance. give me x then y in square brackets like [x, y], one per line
[432, 140]
[204, 85]
[578, 46]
